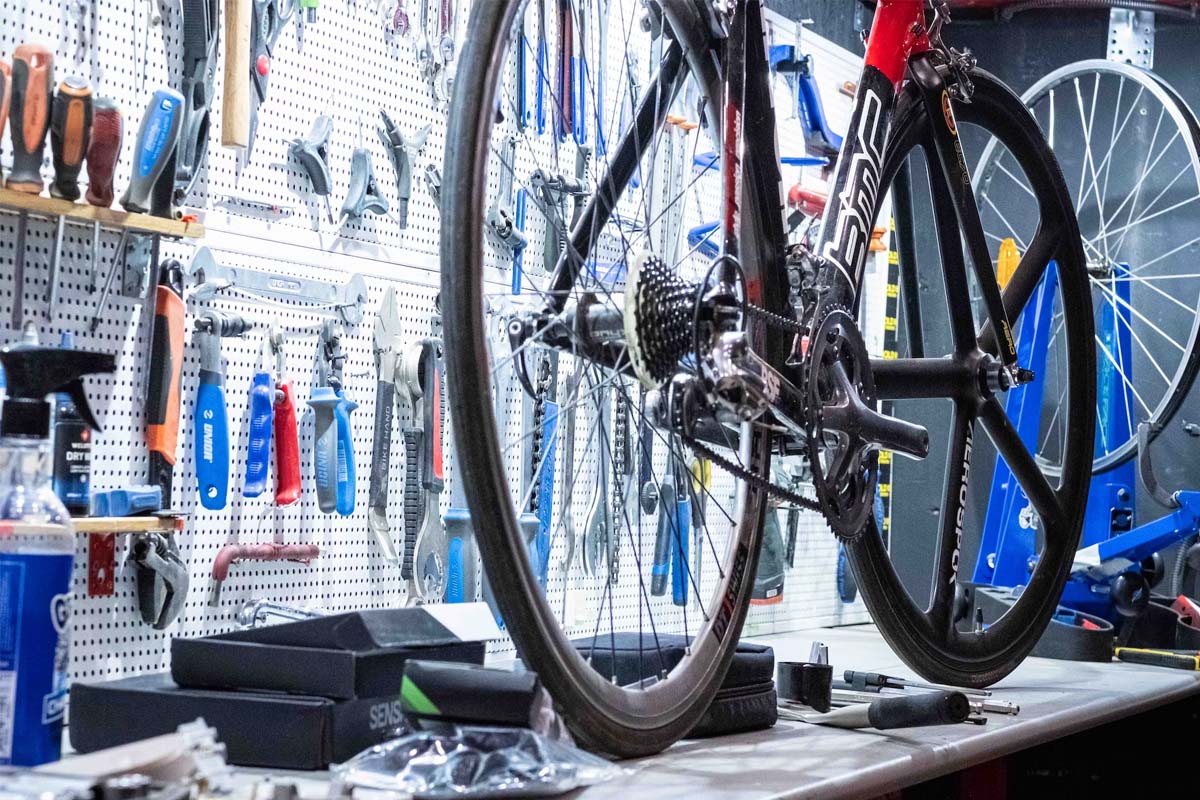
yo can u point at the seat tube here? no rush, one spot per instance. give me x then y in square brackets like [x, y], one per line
[897, 31]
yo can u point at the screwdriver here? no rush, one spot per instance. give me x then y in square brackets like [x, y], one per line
[32, 79]
[108, 130]
[70, 133]
[5, 93]
[158, 136]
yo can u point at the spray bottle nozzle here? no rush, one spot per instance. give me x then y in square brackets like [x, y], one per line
[32, 373]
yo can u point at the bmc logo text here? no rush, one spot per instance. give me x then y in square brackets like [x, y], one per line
[847, 248]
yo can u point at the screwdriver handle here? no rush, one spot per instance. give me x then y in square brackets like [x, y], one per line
[70, 134]
[5, 93]
[108, 129]
[258, 445]
[287, 446]
[212, 439]
[345, 455]
[32, 83]
[235, 107]
[323, 401]
[166, 371]
[158, 136]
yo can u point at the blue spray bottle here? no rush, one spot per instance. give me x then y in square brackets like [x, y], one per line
[37, 551]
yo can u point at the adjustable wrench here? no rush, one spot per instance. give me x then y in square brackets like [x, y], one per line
[387, 363]
[425, 545]
[502, 226]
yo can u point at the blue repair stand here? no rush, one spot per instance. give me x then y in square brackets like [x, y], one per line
[1110, 545]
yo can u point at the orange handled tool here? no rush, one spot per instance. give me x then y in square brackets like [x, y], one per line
[166, 369]
[32, 82]
[5, 93]
[70, 133]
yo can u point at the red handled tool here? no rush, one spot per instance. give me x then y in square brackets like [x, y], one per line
[70, 134]
[286, 431]
[108, 130]
[231, 554]
[29, 112]
[166, 370]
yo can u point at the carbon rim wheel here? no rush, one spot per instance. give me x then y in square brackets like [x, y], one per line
[933, 637]
[610, 580]
[1135, 205]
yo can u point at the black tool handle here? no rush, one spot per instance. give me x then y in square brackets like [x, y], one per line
[385, 414]
[29, 115]
[414, 508]
[70, 135]
[927, 708]
[861, 680]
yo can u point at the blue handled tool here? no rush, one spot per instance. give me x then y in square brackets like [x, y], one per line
[461, 560]
[663, 540]
[524, 51]
[544, 92]
[519, 253]
[333, 453]
[601, 58]
[679, 533]
[262, 421]
[212, 418]
[158, 137]
[124, 502]
[579, 76]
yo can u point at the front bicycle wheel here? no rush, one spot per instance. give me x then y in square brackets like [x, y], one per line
[927, 622]
[599, 532]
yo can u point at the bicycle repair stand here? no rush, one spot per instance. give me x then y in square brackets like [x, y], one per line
[1117, 564]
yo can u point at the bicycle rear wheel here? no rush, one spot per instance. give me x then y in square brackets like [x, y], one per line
[626, 488]
[926, 621]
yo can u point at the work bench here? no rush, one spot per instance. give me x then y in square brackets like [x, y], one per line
[794, 759]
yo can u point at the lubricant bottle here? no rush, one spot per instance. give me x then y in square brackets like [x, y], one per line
[37, 551]
[72, 440]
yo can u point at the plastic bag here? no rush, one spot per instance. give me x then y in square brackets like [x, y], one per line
[472, 762]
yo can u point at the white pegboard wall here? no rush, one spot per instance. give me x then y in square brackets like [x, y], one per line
[348, 68]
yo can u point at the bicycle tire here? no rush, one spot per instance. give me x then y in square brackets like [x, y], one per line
[602, 716]
[980, 658]
[1187, 132]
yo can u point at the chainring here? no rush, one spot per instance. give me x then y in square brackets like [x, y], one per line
[845, 467]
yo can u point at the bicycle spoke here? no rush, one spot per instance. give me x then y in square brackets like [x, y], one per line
[954, 503]
[1016, 455]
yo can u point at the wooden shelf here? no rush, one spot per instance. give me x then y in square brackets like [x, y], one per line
[143, 524]
[83, 212]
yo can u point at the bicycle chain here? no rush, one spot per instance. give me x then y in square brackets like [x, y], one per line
[541, 388]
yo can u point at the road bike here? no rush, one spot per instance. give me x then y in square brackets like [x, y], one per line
[622, 406]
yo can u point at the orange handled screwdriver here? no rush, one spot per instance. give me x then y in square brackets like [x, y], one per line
[29, 112]
[70, 133]
[32, 81]
[5, 93]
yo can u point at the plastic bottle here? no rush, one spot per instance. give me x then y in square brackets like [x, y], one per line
[37, 551]
[72, 440]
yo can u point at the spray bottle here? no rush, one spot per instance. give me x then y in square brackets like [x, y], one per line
[37, 551]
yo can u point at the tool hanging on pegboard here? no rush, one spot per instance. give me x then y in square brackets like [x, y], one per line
[333, 448]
